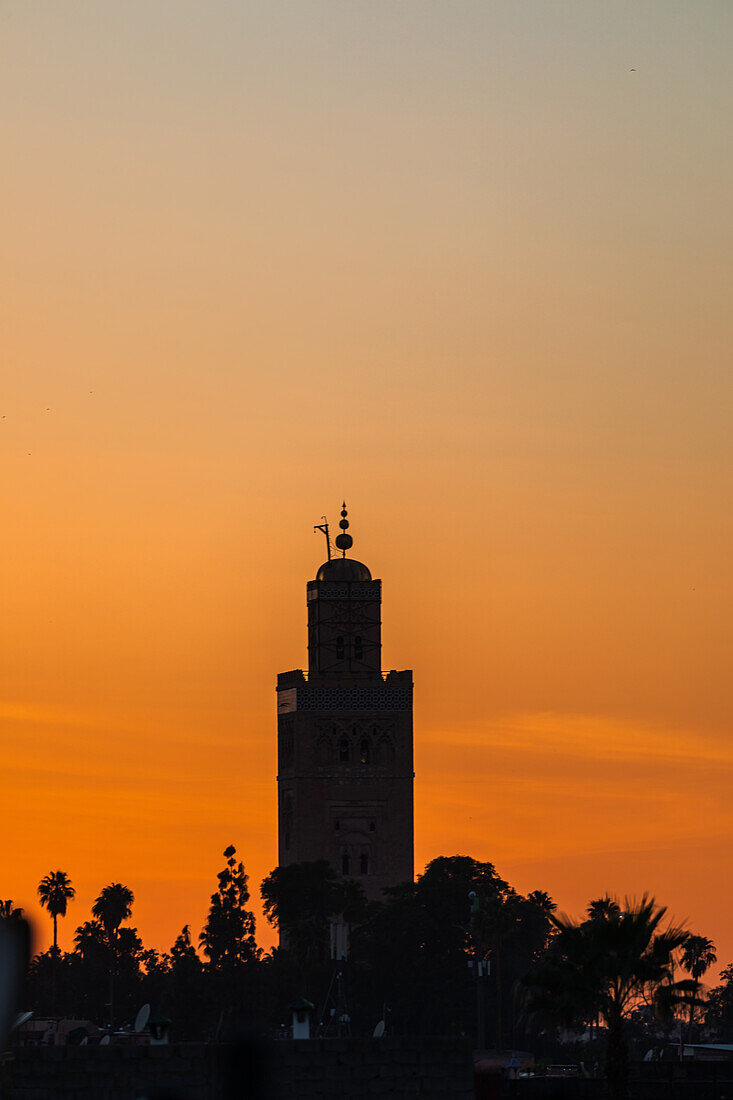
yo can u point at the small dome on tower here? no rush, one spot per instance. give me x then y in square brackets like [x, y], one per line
[343, 571]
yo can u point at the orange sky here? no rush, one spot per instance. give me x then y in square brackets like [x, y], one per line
[455, 262]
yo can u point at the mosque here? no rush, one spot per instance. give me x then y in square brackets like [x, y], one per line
[345, 741]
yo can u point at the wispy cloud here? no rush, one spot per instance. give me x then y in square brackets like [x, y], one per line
[590, 736]
[543, 785]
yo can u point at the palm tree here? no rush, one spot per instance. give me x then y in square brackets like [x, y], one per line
[113, 906]
[698, 955]
[603, 909]
[54, 892]
[603, 968]
[90, 941]
[8, 910]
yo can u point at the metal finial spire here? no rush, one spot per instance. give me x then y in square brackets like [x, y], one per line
[344, 541]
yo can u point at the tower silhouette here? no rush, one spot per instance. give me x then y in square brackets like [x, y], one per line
[345, 756]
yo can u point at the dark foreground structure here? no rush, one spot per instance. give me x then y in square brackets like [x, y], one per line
[648, 1081]
[287, 1070]
[440, 1068]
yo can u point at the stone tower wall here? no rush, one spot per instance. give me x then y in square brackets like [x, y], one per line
[345, 744]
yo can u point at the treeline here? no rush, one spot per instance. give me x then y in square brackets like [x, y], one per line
[408, 961]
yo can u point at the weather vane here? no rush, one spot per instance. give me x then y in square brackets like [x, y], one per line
[324, 527]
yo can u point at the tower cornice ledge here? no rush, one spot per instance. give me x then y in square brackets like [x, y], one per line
[297, 676]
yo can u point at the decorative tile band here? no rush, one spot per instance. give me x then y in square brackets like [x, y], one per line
[346, 592]
[374, 697]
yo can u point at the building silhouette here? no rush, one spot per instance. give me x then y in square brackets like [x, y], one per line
[345, 757]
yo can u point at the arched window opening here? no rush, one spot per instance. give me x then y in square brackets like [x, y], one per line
[343, 750]
[364, 864]
[358, 648]
[345, 863]
[372, 826]
[337, 825]
[340, 648]
[364, 752]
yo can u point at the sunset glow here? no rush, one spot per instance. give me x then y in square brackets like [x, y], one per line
[452, 261]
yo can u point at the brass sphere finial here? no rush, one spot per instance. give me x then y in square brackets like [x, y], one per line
[343, 541]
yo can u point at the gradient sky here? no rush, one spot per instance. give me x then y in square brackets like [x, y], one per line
[466, 264]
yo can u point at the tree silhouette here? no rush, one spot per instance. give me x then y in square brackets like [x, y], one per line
[228, 937]
[513, 931]
[604, 968]
[228, 941]
[698, 955]
[99, 955]
[187, 985]
[719, 1006]
[183, 952]
[92, 943]
[603, 909]
[300, 898]
[10, 911]
[113, 906]
[55, 892]
[494, 921]
[411, 951]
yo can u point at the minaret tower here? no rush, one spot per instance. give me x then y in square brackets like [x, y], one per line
[345, 760]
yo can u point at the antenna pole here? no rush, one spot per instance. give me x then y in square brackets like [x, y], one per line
[324, 527]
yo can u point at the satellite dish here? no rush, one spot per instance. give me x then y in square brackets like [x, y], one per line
[22, 1019]
[142, 1018]
[104, 1041]
[379, 1030]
